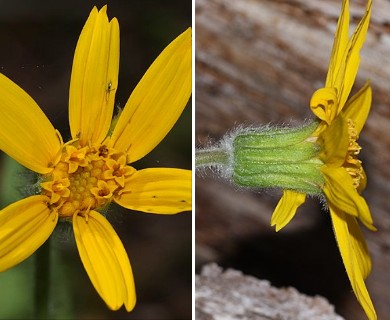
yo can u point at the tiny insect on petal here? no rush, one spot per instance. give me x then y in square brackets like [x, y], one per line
[157, 190]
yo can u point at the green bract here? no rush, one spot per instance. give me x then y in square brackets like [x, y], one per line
[284, 158]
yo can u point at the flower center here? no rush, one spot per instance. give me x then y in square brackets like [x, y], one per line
[352, 164]
[86, 178]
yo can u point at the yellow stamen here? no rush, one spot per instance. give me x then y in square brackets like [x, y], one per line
[86, 178]
[352, 164]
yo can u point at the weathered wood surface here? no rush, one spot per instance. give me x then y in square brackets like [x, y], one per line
[232, 295]
[259, 61]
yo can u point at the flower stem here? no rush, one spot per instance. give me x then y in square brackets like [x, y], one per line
[211, 157]
[42, 281]
[268, 157]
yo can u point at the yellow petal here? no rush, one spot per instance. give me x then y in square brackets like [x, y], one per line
[347, 246]
[358, 107]
[158, 190]
[344, 64]
[24, 226]
[105, 260]
[339, 45]
[157, 101]
[341, 194]
[347, 74]
[94, 78]
[25, 132]
[359, 246]
[324, 104]
[286, 208]
[362, 182]
[334, 143]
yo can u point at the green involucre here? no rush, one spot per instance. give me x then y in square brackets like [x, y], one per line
[284, 158]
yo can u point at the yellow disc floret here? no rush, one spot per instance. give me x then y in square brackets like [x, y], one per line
[86, 178]
[352, 164]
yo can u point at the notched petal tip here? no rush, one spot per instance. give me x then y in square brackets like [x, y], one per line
[103, 9]
[105, 260]
[157, 101]
[345, 58]
[94, 78]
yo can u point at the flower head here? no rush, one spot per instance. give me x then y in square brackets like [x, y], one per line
[317, 159]
[341, 121]
[82, 176]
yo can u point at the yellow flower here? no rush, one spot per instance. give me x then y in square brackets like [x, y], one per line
[326, 103]
[83, 175]
[342, 120]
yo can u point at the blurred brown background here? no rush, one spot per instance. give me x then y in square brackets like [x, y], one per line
[258, 62]
[38, 39]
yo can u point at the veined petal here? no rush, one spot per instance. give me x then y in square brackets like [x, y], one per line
[347, 74]
[24, 226]
[359, 246]
[157, 190]
[341, 194]
[157, 101]
[25, 132]
[105, 260]
[334, 143]
[347, 246]
[94, 78]
[286, 208]
[344, 63]
[358, 107]
[339, 45]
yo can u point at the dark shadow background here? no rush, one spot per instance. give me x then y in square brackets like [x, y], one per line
[38, 39]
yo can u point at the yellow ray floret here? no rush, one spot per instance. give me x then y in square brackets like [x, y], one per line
[157, 190]
[326, 103]
[26, 134]
[94, 78]
[286, 208]
[105, 260]
[157, 101]
[81, 177]
[357, 263]
[24, 226]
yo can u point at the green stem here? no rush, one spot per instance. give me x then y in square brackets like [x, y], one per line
[42, 281]
[211, 157]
